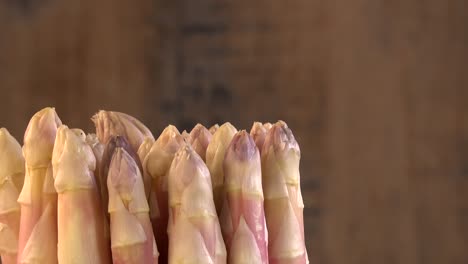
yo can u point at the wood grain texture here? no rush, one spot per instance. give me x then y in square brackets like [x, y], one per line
[376, 93]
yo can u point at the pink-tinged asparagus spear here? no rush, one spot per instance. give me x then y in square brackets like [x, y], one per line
[243, 217]
[79, 214]
[259, 132]
[11, 182]
[283, 200]
[213, 128]
[199, 138]
[215, 158]
[194, 231]
[110, 123]
[38, 197]
[157, 164]
[132, 236]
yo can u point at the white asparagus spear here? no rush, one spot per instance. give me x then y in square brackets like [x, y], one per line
[194, 231]
[113, 143]
[142, 152]
[38, 197]
[243, 216]
[145, 148]
[11, 182]
[98, 150]
[157, 164]
[214, 160]
[132, 236]
[79, 214]
[283, 200]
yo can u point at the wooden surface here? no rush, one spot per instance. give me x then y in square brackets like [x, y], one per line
[375, 91]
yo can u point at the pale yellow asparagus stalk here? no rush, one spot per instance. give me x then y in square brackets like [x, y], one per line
[38, 197]
[145, 148]
[243, 216]
[213, 128]
[157, 164]
[283, 200]
[194, 231]
[110, 123]
[215, 158]
[11, 182]
[132, 238]
[259, 132]
[79, 216]
[200, 138]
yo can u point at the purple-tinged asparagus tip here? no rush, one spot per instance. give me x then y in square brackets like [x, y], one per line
[242, 147]
[281, 139]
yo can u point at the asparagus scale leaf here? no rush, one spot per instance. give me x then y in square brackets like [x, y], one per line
[111, 123]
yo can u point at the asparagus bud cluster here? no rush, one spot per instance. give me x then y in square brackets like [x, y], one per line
[109, 123]
[119, 196]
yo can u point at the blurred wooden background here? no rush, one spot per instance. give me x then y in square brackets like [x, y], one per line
[375, 91]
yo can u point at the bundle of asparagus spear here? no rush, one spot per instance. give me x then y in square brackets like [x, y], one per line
[214, 195]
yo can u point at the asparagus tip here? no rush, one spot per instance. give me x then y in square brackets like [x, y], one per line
[281, 138]
[242, 146]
